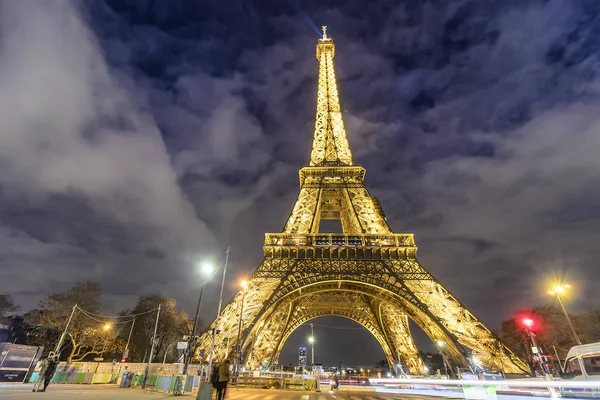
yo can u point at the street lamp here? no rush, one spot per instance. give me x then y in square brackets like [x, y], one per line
[244, 285]
[311, 340]
[556, 291]
[206, 270]
[106, 328]
[216, 323]
[441, 344]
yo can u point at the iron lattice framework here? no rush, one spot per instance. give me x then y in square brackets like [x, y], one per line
[367, 274]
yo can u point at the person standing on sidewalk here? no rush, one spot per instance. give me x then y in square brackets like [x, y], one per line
[40, 378]
[223, 379]
[50, 370]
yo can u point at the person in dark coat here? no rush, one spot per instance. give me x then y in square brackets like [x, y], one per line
[49, 373]
[223, 379]
[39, 383]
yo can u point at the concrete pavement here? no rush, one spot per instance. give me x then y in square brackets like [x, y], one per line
[111, 392]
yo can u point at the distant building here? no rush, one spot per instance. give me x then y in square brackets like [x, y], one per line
[302, 357]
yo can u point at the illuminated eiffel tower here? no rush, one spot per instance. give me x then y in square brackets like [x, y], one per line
[367, 274]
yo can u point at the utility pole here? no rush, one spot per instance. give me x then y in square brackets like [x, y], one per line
[64, 334]
[126, 352]
[151, 350]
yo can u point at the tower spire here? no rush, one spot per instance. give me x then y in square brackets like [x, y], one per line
[330, 144]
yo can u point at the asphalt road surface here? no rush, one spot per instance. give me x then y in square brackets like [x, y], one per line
[61, 392]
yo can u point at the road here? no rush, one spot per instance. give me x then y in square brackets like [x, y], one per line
[96, 392]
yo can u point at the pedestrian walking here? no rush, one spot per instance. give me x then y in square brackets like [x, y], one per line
[223, 379]
[50, 370]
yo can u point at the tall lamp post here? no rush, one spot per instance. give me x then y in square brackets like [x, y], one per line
[440, 344]
[238, 356]
[316, 374]
[214, 332]
[206, 270]
[311, 340]
[556, 291]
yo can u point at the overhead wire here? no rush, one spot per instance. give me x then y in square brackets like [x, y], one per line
[104, 321]
[118, 316]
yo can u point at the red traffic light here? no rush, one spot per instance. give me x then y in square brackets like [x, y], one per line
[528, 322]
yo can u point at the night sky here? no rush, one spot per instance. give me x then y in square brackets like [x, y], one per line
[138, 137]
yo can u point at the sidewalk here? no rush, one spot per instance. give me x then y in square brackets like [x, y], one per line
[75, 392]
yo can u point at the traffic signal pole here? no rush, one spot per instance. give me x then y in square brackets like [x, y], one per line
[535, 346]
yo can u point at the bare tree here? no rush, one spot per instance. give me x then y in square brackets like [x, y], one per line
[85, 334]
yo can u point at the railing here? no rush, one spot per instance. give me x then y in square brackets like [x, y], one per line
[341, 240]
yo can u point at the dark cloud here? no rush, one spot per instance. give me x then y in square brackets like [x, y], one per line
[138, 137]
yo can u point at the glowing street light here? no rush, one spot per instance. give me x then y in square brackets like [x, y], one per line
[311, 340]
[106, 328]
[441, 344]
[557, 290]
[206, 269]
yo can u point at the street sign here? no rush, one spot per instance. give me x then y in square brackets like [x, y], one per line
[535, 350]
[98, 359]
[182, 345]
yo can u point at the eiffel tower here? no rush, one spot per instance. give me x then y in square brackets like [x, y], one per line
[367, 274]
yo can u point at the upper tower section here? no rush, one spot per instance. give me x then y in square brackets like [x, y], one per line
[330, 144]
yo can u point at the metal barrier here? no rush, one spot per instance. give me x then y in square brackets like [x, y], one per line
[168, 383]
[77, 377]
[272, 381]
